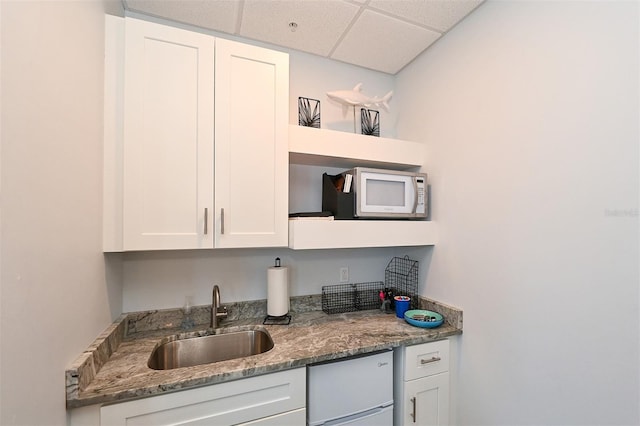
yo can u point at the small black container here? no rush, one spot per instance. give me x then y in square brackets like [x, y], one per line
[341, 204]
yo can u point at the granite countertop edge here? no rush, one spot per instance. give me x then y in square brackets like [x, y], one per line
[113, 369]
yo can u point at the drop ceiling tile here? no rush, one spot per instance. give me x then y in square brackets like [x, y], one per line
[320, 23]
[437, 14]
[219, 15]
[383, 43]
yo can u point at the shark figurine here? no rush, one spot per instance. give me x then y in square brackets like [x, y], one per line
[356, 98]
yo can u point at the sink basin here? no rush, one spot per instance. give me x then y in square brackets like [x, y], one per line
[207, 349]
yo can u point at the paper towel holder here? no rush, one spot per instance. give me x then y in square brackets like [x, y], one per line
[280, 319]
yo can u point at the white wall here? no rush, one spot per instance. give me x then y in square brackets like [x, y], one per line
[531, 111]
[313, 76]
[55, 299]
[156, 280]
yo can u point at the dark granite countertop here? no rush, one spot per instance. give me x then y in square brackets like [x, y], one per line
[114, 368]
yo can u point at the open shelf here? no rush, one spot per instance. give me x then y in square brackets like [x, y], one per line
[322, 147]
[330, 148]
[325, 234]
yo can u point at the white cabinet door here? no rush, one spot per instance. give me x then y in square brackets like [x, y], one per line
[426, 401]
[259, 399]
[168, 137]
[251, 146]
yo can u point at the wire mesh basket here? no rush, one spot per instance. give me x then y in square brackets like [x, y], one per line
[401, 276]
[340, 298]
[400, 279]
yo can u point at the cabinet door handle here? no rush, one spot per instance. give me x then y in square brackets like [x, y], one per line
[415, 191]
[432, 359]
[413, 413]
[206, 220]
[222, 221]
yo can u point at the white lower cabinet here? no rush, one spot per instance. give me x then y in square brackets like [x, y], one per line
[421, 384]
[270, 399]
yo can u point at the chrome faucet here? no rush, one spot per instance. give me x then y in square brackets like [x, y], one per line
[217, 311]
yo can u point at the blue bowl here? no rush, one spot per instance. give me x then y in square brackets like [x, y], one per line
[409, 317]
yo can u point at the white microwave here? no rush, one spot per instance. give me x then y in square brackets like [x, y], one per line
[382, 193]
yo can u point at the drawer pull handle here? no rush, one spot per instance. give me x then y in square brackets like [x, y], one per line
[413, 414]
[222, 221]
[428, 361]
[206, 220]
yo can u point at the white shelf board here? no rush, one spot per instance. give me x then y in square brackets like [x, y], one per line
[322, 147]
[327, 234]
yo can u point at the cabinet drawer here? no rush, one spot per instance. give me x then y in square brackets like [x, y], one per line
[426, 359]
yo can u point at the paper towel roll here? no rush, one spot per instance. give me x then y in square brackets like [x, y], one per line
[277, 291]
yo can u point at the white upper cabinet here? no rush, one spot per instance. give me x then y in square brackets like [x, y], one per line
[168, 137]
[251, 151]
[201, 160]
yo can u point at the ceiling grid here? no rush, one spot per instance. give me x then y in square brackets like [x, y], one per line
[382, 35]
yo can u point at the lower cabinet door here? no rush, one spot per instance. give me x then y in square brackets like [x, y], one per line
[426, 401]
[242, 401]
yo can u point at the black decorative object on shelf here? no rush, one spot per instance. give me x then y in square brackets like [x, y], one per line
[309, 112]
[370, 122]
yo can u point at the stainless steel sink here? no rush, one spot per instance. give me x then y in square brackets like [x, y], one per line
[207, 349]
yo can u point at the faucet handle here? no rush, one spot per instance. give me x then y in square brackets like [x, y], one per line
[222, 312]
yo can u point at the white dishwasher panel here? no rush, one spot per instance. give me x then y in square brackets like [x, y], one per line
[354, 391]
[377, 417]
